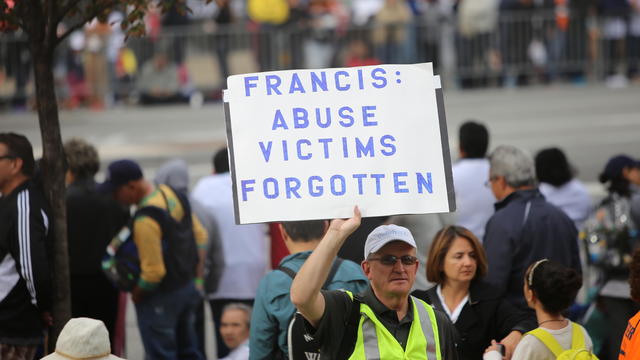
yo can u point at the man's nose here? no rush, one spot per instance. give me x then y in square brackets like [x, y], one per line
[398, 266]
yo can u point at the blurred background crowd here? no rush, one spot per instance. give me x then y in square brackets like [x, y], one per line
[186, 55]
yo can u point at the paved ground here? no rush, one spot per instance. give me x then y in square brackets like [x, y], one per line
[589, 123]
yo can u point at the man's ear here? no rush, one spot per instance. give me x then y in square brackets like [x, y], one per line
[366, 268]
[284, 233]
[17, 165]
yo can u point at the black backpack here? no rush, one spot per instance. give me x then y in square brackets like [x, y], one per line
[611, 236]
[302, 345]
[121, 263]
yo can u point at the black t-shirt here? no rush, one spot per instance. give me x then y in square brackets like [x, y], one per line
[93, 219]
[331, 328]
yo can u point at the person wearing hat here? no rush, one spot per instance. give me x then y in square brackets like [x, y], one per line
[616, 224]
[621, 174]
[83, 338]
[165, 296]
[272, 309]
[387, 323]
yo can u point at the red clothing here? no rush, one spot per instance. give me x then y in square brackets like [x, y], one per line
[353, 62]
[278, 248]
[630, 348]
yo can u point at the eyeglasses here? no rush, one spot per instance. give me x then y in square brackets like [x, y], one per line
[391, 260]
[7, 157]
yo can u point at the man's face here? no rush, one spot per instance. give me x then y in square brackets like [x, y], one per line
[391, 280]
[632, 174]
[8, 166]
[126, 194]
[497, 183]
[234, 327]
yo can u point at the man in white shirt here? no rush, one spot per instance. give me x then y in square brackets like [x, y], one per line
[474, 199]
[245, 246]
[234, 329]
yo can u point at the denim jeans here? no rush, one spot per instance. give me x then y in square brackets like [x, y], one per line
[167, 324]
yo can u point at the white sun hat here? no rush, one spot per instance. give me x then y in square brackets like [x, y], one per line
[83, 338]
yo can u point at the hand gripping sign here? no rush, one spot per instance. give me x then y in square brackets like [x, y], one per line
[310, 144]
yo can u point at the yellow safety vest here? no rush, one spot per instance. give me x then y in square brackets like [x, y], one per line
[374, 341]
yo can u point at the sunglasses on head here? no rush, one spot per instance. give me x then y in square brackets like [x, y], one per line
[391, 260]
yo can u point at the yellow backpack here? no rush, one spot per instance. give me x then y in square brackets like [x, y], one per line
[273, 12]
[578, 350]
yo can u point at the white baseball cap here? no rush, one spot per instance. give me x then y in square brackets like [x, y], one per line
[384, 234]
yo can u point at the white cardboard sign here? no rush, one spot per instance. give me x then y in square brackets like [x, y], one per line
[311, 144]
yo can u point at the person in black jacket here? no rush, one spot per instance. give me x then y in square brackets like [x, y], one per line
[25, 237]
[525, 227]
[92, 221]
[456, 263]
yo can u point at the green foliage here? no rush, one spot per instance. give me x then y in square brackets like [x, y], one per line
[44, 16]
[8, 18]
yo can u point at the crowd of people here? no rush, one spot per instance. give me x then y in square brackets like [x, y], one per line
[497, 279]
[481, 43]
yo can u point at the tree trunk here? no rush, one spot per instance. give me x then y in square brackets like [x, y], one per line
[53, 168]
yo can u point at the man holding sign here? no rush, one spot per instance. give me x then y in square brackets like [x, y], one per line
[384, 322]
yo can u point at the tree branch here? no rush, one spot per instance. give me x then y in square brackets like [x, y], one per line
[20, 11]
[65, 9]
[88, 17]
[9, 18]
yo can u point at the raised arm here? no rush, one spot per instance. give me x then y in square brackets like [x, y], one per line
[305, 289]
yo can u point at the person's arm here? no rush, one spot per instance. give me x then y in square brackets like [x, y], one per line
[529, 349]
[32, 237]
[147, 236]
[576, 264]
[305, 289]
[214, 262]
[514, 323]
[201, 235]
[510, 342]
[497, 244]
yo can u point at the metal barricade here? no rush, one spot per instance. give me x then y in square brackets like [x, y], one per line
[517, 48]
